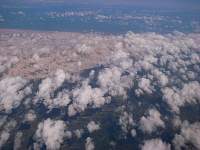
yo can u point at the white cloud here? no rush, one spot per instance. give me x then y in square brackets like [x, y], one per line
[59, 77]
[3, 119]
[150, 123]
[92, 126]
[49, 85]
[45, 88]
[133, 133]
[4, 137]
[17, 142]
[167, 63]
[111, 80]
[161, 77]
[121, 58]
[51, 132]
[5, 134]
[126, 122]
[7, 61]
[12, 92]
[144, 86]
[84, 96]
[30, 116]
[68, 134]
[78, 133]
[155, 144]
[89, 145]
[62, 99]
[189, 134]
[190, 93]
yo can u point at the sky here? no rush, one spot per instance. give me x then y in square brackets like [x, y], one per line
[148, 3]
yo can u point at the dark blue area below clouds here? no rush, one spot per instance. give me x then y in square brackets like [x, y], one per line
[107, 19]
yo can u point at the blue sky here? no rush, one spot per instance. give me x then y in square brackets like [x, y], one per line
[146, 3]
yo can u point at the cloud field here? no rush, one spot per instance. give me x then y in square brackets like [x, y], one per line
[62, 90]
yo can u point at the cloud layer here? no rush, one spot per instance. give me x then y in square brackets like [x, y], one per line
[137, 86]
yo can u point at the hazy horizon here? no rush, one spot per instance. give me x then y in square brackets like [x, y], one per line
[192, 4]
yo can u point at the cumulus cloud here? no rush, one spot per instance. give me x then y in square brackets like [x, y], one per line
[84, 96]
[92, 126]
[147, 63]
[5, 134]
[68, 134]
[12, 92]
[51, 132]
[45, 88]
[127, 124]
[4, 137]
[189, 134]
[190, 93]
[30, 116]
[89, 145]
[121, 58]
[49, 85]
[60, 77]
[62, 99]
[144, 86]
[78, 133]
[17, 142]
[3, 119]
[150, 123]
[7, 62]
[155, 144]
[111, 81]
[133, 133]
[161, 77]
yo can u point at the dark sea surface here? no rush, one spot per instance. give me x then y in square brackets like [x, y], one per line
[107, 19]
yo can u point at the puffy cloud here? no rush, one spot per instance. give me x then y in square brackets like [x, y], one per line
[17, 142]
[121, 59]
[167, 63]
[71, 110]
[150, 123]
[4, 137]
[78, 133]
[60, 77]
[111, 80]
[189, 134]
[7, 62]
[126, 121]
[84, 96]
[45, 88]
[54, 14]
[190, 93]
[92, 126]
[172, 98]
[62, 99]
[3, 119]
[68, 134]
[83, 49]
[161, 77]
[5, 134]
[144, 86]
[89, 145]
[51, 132]
[12, 92]
[30, 116]
[176, 121]
[133, 133]
[155, 144]
[49, 85]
